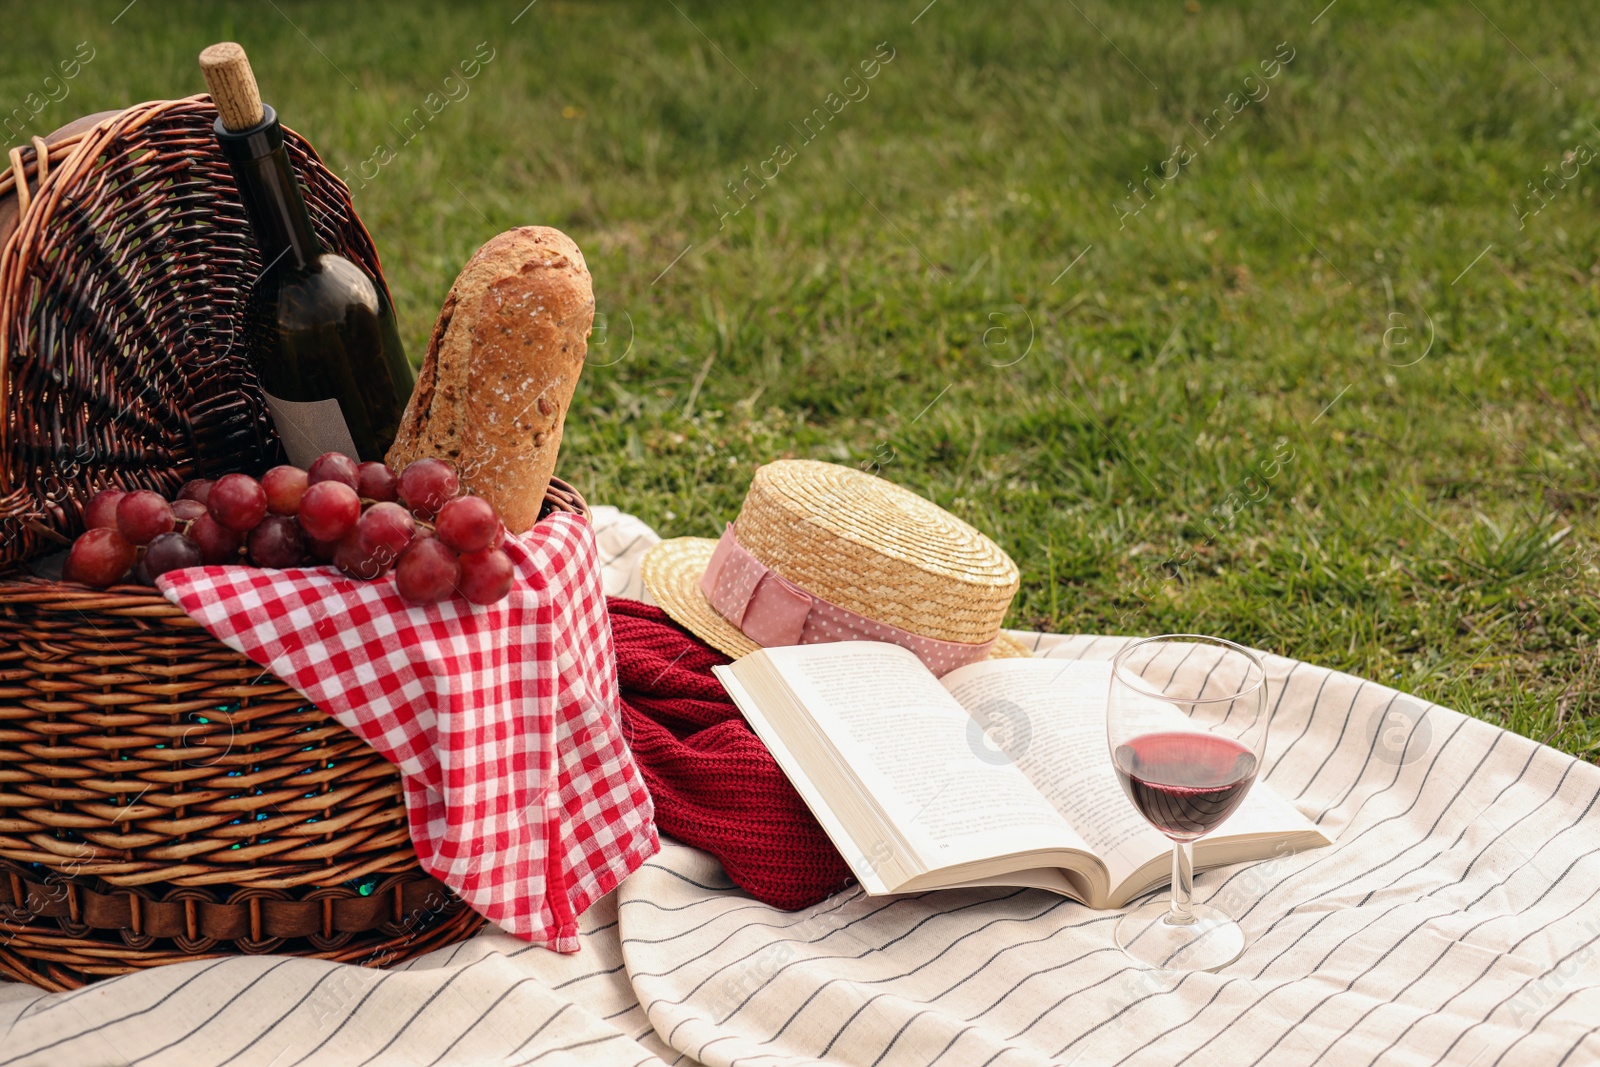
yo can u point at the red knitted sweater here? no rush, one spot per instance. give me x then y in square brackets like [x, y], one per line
[714, 783]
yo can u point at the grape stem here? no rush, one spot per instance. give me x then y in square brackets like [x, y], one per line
[44, 531]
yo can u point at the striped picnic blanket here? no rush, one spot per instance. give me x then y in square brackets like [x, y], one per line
[1455, 921]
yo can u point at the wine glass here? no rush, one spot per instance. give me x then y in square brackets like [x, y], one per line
[1187, 727]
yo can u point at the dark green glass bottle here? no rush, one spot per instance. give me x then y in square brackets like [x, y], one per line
[320, 331]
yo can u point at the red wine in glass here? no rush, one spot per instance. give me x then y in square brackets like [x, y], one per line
[1186, 784]
[1186, 730]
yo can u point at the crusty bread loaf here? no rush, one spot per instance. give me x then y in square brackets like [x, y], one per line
[500, 370]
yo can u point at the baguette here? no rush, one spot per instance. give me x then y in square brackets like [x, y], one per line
[501, 368]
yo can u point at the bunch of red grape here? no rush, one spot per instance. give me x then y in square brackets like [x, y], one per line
[362, 518]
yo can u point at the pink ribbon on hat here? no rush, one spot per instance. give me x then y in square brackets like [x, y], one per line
[773, 611]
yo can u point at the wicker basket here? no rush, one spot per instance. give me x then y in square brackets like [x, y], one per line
[161, 797]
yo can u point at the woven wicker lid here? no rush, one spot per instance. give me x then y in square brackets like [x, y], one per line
[856, 541]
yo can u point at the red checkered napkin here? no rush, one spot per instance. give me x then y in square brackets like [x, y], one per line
[521, 794]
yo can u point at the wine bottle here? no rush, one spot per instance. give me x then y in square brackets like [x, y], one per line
[319, 330]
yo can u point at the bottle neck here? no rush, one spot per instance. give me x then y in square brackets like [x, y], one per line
[271, 195]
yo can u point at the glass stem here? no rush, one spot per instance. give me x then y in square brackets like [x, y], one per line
[1180, 913]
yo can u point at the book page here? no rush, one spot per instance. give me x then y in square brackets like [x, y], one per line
[870, 850]
[916, 751]
[1048, 717]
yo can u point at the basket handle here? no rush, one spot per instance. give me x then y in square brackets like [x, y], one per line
[41, 153]
[15, 177]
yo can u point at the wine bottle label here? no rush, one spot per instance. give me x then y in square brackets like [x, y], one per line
[307, 430]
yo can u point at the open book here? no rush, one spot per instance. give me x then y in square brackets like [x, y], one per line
[997, 774]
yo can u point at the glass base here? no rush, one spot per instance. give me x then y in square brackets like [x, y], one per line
[1213, 940]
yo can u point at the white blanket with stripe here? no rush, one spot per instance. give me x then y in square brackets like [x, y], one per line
[1455, 922]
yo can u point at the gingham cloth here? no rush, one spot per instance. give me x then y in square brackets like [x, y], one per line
[521, 794]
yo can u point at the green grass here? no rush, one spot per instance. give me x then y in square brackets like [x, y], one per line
[1199, 426]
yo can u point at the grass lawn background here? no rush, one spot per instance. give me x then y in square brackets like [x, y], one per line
[1329, 389]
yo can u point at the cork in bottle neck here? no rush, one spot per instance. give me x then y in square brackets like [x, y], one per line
[252, 142]
[233, 85]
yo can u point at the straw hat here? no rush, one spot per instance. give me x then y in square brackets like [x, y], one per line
[859, 546]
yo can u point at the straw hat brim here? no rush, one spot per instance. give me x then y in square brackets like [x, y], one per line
[672, 571]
